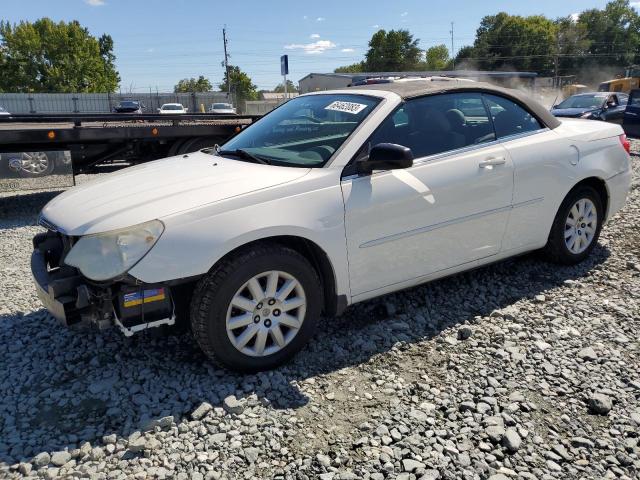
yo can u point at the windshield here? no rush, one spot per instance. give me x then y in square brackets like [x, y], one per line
[172, 107]
[583, 101]
[129, 104]
[305, 131]
[221, 105]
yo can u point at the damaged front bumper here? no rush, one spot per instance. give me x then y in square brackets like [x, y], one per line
[129, 304]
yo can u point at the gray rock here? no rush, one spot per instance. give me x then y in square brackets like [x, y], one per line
[251, 454]
[511, 440]
[582, 442]
[495, 433]
[60, 458]
[41, 459]
[464, 333]
[410, 465]
[232, 405]
[588, 354]
[201, 410]
[600, 404]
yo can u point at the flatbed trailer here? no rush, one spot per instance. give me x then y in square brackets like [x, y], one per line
[98, 139]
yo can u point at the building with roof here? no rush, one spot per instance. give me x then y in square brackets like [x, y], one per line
[314, 82]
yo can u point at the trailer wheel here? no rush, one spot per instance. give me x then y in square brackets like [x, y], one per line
[198, 143]
[33, 164]
[187, 146]
[175, 146]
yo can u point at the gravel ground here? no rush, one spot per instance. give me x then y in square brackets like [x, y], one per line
[521, 370]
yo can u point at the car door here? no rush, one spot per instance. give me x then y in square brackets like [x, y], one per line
[539, 157]
[448, 209]
[615, 107]
[631, 121]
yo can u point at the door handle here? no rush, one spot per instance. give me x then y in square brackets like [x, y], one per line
[490, 162]
[631, 114]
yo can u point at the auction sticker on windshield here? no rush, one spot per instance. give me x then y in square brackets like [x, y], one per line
[348, 107]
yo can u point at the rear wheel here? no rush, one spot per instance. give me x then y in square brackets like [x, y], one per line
[576, 228]
[256, 310]
[34, 164]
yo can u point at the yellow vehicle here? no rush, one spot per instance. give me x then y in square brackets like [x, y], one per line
[573, 88]
[624, 84]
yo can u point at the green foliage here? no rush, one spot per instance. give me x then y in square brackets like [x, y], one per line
[201, 84]
[613, 34]
[242, 88]
[45, 56]
[437, 58]
[392, 51]
[512, 42]
[600, 41]
[353, 68]
[290, 87]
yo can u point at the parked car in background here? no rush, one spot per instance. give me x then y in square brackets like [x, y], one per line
[129, 106]
[331, 199]
[3, 111]
[631, 122]
[593, 106]
[222, 109]
[172, 109]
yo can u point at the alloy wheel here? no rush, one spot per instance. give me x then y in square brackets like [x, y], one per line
[266, 313]
[35, 163]
[580, 226]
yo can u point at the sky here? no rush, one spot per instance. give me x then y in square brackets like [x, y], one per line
[158, 42]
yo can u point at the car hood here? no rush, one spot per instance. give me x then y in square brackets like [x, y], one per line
[572, 112]
[159, 189]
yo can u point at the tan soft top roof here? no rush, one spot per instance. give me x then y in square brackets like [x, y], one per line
[421, 88]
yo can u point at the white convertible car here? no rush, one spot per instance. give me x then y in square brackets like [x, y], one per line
[333, 198]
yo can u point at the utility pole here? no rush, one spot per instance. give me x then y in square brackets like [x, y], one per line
[226, 60]
[453, 52]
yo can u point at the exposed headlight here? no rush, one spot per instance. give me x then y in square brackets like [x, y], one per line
[107, 255]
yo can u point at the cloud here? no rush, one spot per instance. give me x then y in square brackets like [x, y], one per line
[320, 19]
[574, 16]
[151, 50]
[635, 5]
[375, 26]
[314, 35]
[95, 3]
[312, 48]
[347, 50]
[304, 17]
[404, 14]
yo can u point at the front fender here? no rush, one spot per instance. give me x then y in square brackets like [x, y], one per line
[195, 241]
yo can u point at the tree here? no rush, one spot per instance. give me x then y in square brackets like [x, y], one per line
[393, 51]
[290, 87]
[513, 42]
[353, 68]
[241, 85]
[45, 56]
[202, 84]
[437, 58]
[613, 35]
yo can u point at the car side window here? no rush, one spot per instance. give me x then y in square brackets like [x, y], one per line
[510, 118]
[623, 99]
[435, 124]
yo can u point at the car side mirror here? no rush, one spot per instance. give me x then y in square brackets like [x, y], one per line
[386, 156]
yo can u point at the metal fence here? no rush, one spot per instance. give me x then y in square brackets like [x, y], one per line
[103, 102]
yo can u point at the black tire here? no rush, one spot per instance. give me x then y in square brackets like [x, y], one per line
[213, 294]
[556, 249]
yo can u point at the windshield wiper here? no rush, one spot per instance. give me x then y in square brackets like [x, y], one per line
[245, 155]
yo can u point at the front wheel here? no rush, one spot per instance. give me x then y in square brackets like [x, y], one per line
[256, 310]
[576, 228]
